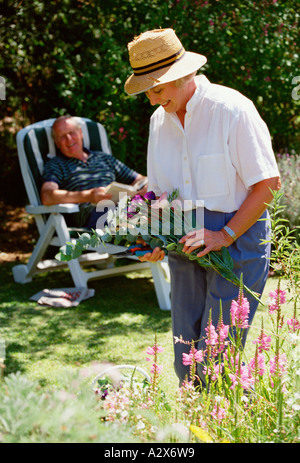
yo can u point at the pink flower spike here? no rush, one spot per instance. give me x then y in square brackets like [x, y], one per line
[212, 336]
[186, 359]
[156, 368]
[150, 351]
[194, 355]
[257, 365]
[278, 365]
[276, 299]
[199, 356]
[154, 349]
[293, 324]
[264, 342]
[240, 312]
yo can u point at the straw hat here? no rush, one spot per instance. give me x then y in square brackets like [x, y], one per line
[158, 57]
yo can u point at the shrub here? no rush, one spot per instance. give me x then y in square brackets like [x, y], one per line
[289, 167]
[29, 414]
[71, 56]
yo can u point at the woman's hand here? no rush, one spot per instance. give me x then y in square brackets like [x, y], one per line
[208, 239]
[156, 255]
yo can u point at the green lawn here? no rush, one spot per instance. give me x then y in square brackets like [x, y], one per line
[116, 325]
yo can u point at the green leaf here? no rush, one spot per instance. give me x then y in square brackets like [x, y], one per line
[156, 242]
[171, 246]
[131, 238]
[107, 237]
[227, 257]
[77, 252]
[62, 257]
[84, 239]
[179, 247]
[95, 241]
[67, 249]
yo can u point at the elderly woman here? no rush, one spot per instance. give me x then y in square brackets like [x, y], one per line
[209, 142]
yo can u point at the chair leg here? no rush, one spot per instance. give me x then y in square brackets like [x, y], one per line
[162, 284]
[79, 276]
[24, 273]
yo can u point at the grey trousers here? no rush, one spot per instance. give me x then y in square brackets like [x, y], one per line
[195, 290]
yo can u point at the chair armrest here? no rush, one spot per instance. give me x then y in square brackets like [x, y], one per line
[58, 208]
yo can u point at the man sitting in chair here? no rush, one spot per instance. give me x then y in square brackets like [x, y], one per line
[78, 175]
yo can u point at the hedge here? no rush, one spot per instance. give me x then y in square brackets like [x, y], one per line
[71, 57]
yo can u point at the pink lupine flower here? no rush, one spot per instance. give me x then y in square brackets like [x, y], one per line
[293, 324]
[216, 339]
[213, 371]
[240, 374]
[156, 368]
[242, 377]
[276, 299]
[220, 410]
[278, 365]
[257, 365]
[223, 332]
[153, 351]
[194, 355]
[263, 341]
[240, 312]
[212, 336]
[222, 336]
[233, 358]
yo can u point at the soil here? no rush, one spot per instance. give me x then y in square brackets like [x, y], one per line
[18, 234]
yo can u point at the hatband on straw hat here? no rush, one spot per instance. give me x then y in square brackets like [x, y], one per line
[158, 57]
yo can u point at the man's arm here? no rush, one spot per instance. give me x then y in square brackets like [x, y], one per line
[52, 194]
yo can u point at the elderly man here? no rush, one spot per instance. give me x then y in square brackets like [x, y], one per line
[78, 175]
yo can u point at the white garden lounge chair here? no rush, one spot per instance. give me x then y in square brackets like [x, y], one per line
[34, 145]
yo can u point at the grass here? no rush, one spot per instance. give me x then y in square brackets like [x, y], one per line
[115, 326]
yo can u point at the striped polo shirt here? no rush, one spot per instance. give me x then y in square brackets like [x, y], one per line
[71, 174]
[100, 169]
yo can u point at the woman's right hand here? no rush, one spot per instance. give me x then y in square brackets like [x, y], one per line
[155, 256]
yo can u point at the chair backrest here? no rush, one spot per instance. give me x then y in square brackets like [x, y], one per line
[35, 146]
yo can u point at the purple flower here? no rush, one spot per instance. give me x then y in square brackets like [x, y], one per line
[137, 198]
[134, 206]
[150, 195]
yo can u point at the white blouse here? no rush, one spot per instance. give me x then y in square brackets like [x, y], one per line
[223, 149]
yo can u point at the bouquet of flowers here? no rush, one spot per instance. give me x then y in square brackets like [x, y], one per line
[157, 223]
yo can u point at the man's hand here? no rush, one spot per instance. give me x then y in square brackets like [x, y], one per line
[98, 194]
